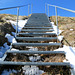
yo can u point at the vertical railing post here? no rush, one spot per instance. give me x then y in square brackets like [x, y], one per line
[57, 20]
[31, 8]
[17, 20]
[28, 8]
[48, 10]
[45, 7]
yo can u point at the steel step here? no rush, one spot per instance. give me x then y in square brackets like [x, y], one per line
[38, 27]
[36, 52]
[39, 21]
[35, 63]
[36, 38]
[34, 20]
[36, 44]
[34, 30]
[37, 34]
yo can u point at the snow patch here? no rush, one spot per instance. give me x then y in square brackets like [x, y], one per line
[33, 49]
[70, 55]
[33, 70]
[55, 29]
[13, 49]
[34, 58]
[3, 49]
[21, 24]
[71, 29]
[10, 38]
[60, 38]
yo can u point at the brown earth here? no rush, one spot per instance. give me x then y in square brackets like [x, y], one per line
[66, 24]
[6, 27]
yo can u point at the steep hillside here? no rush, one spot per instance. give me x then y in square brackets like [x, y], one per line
[68, 25]
[6, 27]
[65, 23]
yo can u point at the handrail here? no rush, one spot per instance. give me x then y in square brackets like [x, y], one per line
[14, 7]
[18, 12]
[62, 8]
[56, 13]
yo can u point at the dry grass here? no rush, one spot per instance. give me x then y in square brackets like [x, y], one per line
[7, 27]
[66, 24]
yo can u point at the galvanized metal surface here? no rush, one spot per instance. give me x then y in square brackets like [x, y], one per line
[17, 21]
[34, 30]
[38, 27]
[57, 21]
[62, 8]
[37, 38]
[48, 10]
[35, 63]
[36, 52]
[37, 34]
[28, 9]
[36, 44]
[13, 7]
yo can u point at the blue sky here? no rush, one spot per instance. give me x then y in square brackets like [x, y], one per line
[38, 6]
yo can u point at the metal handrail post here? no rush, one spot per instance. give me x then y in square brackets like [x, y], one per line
[31, 8]
[28, 9]
[57, 20]
[48, 10]
[45, 7]
[17, 20]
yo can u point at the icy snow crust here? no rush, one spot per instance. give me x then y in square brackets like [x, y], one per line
[70, 51]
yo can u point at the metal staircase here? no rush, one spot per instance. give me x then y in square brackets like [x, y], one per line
[34, 34]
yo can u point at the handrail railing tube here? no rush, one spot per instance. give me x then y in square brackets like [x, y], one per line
[28, 8]
[62, 8]
[57, 20]
[13, 7]
[17, 13]
[57, 16]
[17, 20]
[48, 10]
[45, 7]
[31, 8]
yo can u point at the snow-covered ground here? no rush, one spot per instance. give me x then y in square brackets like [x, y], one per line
[70, 51]
[11, 39]
[3, 49]
[33, 70]
[21, 24]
